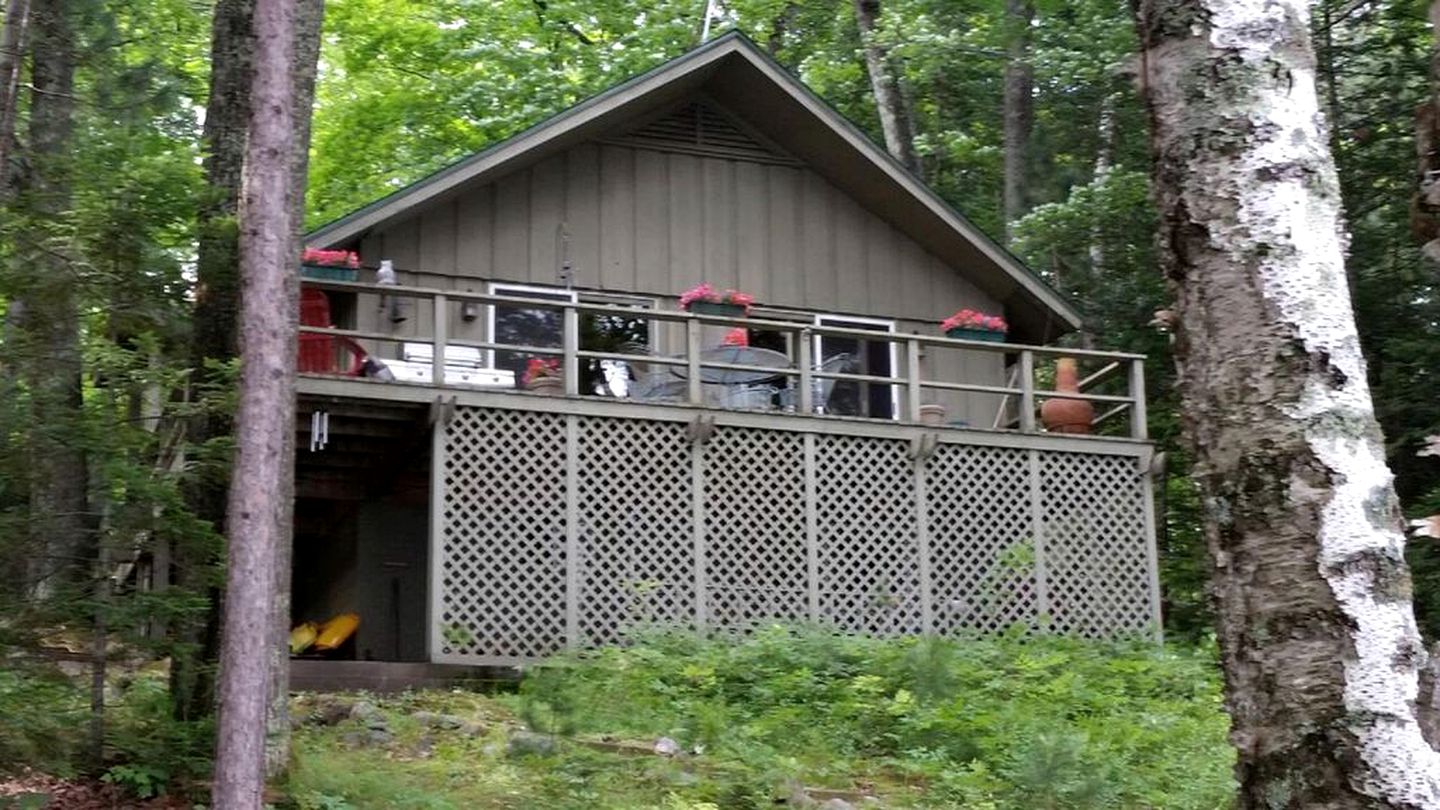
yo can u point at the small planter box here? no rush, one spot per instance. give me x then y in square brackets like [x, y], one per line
[976, 334]
[716, 308]
[325, 272]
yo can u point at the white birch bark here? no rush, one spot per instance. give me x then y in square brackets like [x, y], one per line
[895, 122]
[1318, 637]
[265, 420]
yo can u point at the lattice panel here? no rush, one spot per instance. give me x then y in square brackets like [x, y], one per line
[982, 549]
[1095, 543]
[865, 511]
[502, 553]
[637, 560]
[755, 564]
[502, 550]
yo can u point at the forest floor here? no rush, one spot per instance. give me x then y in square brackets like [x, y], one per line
[780, 717]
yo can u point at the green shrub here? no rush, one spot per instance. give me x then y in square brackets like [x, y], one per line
[44, 720]
[1011, 722]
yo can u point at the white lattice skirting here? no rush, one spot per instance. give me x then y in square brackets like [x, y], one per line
[565, 529]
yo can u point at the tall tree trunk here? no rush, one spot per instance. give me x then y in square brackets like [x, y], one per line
[265, 419]
[895, 120]
[1019, 114]
[779, 26]
[309, 20]
[57, 521]
[217, 302]
[1317, 635]
[12, 48]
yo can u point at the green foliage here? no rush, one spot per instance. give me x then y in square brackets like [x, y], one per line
[1019, 722]
[44, 720]
[1037, 722]
[47, 721]
[143, 781]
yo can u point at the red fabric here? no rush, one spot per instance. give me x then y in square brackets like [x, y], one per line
[318, 353]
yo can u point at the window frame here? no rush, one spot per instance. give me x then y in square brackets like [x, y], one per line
[891, 328]
[502, 288]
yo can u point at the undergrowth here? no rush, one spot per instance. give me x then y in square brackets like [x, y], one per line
[1002, 723]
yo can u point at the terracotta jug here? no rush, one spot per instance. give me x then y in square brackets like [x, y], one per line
[1067, 415]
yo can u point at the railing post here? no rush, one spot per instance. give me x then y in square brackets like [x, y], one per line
[696, 393]
[805, 401]
[441, 310]
[1027, 391]
[912, 374]
[1138, 427]
[570, 364]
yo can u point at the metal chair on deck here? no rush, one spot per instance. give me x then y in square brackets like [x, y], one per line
[820, 386]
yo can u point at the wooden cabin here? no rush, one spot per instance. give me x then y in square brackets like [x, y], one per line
[829, 455]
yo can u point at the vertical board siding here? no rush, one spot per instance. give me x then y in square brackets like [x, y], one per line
[474, 233]
[437, 238]
[852, 293]
[719, 227]
[512, 227]
[882, 266]
[818, 243]
[582, 213]
[617, 218]
[785, 236]
[401, 244]
[752, 226]
[652, 222]
[687, 223]
[547, 215]
[657, 223]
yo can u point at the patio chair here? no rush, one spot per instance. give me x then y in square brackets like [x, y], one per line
[820, 386]
[325, 354]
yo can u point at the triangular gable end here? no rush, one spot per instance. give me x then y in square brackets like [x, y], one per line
[797, 126]
[701, 127]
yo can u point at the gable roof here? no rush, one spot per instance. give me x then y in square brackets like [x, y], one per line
[737, 74]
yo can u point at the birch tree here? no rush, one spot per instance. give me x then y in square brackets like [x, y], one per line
[895, 119]
[265, 420]
[1317, 634]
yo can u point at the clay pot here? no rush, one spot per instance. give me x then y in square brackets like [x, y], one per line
[1067, 415]
[932, 414]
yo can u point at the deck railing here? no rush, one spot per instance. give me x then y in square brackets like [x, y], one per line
[1126, 369]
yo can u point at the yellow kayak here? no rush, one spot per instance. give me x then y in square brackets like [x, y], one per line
[334, 632]
[302, 637]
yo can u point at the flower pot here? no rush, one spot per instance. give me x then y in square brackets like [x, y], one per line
[718, 308]
[326, 272]
[975, 334]
[932, 414]
[1061, 415]
[550, 386]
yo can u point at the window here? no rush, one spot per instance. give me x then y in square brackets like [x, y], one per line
[525, 326]
[545, 328]
[615, 333]
[875, 358]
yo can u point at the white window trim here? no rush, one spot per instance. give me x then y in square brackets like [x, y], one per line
[499, 288]
[817, 353]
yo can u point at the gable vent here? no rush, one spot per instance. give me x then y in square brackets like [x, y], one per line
[699, 128]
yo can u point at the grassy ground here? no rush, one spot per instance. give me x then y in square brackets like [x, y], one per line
[985, 724]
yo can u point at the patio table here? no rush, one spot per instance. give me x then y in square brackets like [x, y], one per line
[738, 356]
